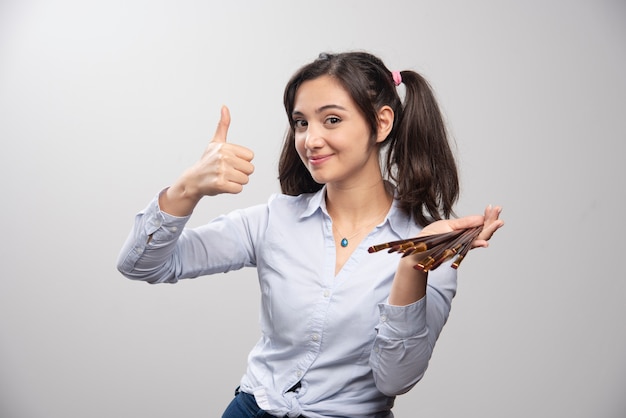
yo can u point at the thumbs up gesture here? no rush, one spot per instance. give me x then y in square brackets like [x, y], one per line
[223, 168]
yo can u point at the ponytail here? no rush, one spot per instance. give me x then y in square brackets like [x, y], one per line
[419, 159]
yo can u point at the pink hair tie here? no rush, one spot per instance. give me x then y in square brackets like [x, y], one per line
[397, 78]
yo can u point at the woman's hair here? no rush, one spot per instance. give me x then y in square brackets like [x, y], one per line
[416, 153]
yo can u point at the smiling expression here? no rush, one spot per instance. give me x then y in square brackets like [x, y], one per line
[332, 137]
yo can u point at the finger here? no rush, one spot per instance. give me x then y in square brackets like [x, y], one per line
[235, 172]
[234, 155]
[492, 213]
[492, 219]
[234, 181]
[243, 165]
[231, 181]
[242, 152]
[238, 177]
[492, 222]
[480, 243]
[222, 126]
[489, 230]
[485, 234]
[232, 187]
[466, 222]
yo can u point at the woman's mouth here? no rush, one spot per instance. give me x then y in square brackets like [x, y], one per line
[316, 160]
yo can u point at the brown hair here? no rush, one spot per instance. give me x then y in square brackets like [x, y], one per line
[419, 161]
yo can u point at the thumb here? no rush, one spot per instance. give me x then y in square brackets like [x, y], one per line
[222, 126]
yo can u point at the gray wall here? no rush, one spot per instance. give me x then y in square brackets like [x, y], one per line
[103, 103]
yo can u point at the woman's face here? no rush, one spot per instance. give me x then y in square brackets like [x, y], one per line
[331, 135]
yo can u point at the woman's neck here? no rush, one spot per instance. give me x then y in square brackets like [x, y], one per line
[354, 205]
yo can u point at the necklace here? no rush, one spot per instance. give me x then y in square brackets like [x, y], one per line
[346, 240]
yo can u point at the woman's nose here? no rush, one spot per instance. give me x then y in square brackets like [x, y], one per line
[313, 137]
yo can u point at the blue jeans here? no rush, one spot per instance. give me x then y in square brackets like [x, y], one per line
[244, 406]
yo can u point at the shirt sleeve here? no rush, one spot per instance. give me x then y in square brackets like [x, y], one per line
[159, 249]
[406, 335]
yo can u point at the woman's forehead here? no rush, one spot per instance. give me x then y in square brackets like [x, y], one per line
[320, 93]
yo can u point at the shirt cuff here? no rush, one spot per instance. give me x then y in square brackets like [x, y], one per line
[401, 322]
[161, 225]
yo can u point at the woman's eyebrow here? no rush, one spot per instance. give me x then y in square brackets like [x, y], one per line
[320, 110]
[330, 106]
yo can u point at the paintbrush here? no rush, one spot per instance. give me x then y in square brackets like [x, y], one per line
[433, 250]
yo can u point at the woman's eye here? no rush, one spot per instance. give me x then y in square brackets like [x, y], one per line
[332, 120]
[299, 123]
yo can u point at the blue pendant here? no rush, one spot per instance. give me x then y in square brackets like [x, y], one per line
[344, 242]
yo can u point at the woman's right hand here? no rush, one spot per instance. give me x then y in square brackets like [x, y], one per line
[223, 168]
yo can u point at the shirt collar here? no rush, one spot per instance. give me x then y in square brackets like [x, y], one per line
[316, 202]
[399, 222]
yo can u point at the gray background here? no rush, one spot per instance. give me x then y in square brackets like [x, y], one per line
[103, 103]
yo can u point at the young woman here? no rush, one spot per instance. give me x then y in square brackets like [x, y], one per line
[343, 331]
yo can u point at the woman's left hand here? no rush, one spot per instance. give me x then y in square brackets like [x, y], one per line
[490, 220]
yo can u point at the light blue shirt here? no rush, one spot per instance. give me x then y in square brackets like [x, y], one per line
[335, 334]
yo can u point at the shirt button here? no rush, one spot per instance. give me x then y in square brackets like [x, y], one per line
[326, 293]
[383, 318]
[315, 337]
[173, 229]
[299, 373]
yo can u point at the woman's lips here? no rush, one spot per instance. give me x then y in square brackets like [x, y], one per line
[318, 159]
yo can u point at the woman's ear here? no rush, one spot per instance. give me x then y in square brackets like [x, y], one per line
[385, 123]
